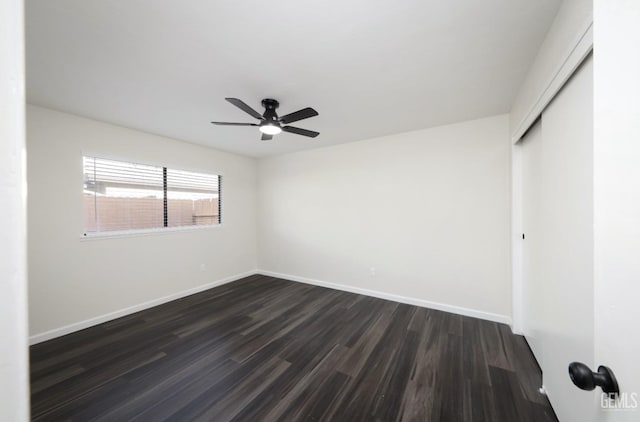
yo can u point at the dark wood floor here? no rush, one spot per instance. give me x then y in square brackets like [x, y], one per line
[263, 349]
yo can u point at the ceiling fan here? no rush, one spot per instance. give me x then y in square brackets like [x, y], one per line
[270, 124]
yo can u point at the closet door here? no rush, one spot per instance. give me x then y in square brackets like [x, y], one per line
[532, 266]
[558, 244]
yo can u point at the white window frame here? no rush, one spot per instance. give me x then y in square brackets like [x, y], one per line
[156, 230]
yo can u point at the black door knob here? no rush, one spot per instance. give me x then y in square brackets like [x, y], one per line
[585, 379]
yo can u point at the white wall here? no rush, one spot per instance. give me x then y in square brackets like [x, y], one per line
[14, 355]
[429, 210]
[72, 279]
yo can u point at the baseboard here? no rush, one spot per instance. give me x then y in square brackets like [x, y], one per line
[77, 326]
[489, 316]
[516, 331]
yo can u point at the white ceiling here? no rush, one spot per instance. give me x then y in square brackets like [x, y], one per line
[369, 67]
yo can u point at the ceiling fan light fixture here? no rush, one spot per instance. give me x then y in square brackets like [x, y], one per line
[270, 129]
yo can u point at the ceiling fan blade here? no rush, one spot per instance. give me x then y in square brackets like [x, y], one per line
[305, 113]
[266, 137]
[244, 107]
[298, 131]
[234, 124]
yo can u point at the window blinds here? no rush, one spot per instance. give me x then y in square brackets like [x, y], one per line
[193, 199]
[123, 196]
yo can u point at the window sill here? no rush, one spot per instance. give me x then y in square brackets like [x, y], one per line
[144, 232]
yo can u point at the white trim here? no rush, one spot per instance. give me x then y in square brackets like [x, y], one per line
[14, 354]
[489, 316]
[77, 326]
[145, 232]
[81, 325]
[516, 240]
[575, 54]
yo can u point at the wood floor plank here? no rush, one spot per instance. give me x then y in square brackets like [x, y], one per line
[267, 349]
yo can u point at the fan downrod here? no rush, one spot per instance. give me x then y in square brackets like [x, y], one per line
[270, 104]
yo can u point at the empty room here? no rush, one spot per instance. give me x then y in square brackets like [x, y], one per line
[320, 211]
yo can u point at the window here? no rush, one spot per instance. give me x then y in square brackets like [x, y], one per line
[121, 196]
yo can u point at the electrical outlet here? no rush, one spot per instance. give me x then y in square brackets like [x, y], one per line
[372, 271]
[202, 267]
